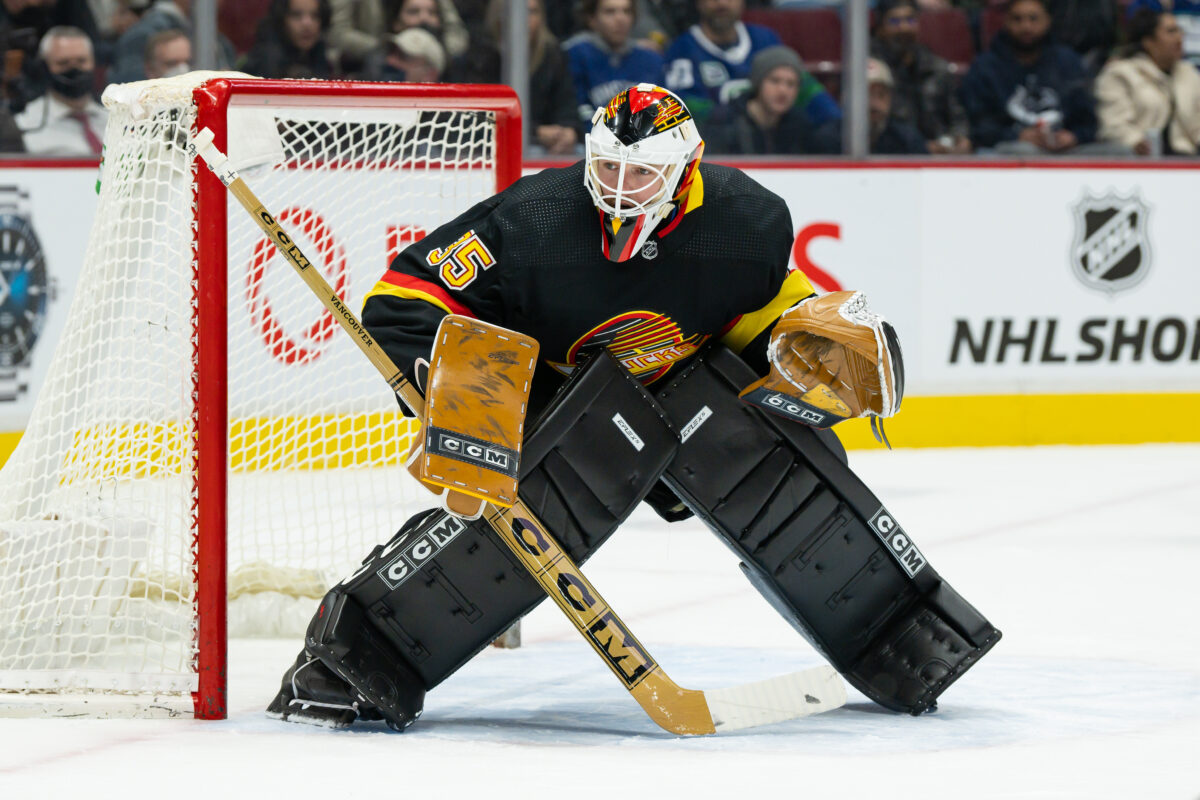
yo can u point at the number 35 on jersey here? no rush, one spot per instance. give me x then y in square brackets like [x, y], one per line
[462, 261]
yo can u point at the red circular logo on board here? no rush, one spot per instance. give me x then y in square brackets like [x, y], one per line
[308, 345]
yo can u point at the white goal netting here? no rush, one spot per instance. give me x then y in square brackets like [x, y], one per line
[98, 504]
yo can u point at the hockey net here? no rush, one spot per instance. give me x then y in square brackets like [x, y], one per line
[206, 432]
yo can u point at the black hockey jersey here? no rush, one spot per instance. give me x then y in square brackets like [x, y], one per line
[530, 259]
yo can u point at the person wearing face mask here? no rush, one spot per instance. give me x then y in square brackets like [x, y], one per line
[129, 54]
[66, 120]
[168, 54]
[26, 22]
[924, 92]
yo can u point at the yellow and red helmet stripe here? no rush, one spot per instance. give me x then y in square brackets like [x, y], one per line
[795, 287]
[640, 99]
[620, 236]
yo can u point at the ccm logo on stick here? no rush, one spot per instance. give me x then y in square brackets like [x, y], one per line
[897, 542]
[609, 635]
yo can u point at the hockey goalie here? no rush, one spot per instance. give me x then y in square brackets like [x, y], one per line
[653, 346]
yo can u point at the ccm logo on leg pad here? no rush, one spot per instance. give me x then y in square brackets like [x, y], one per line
[418, 550]
[897, 542]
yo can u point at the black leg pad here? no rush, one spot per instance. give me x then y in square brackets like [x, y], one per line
[817, 543]
[441, 591]
[363, 658]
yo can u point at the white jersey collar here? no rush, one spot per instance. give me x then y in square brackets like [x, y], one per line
[736, 54]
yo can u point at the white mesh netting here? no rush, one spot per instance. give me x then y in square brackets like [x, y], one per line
[96, 504]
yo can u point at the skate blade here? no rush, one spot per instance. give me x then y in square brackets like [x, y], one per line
[312, 717]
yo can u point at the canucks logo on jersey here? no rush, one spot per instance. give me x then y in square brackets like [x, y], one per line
[646, 343]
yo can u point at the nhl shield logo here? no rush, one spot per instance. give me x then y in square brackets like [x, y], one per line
[1111, 251]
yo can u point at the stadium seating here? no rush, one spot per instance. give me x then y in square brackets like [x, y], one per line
[991, 21]
[947, 32]
[238, 21]
[814, 33]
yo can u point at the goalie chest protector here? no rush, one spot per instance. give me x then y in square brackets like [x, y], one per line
[817, 543]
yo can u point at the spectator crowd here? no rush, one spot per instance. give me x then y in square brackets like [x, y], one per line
[1051, 77]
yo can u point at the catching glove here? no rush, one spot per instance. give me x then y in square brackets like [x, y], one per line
[831, 359]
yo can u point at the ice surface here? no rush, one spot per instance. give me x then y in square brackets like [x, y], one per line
[1086, 558]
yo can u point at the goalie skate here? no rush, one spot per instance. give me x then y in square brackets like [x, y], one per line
[312, 695]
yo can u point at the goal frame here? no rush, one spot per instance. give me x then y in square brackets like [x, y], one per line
[210, 378]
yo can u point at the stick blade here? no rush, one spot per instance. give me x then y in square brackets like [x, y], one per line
[799, 694]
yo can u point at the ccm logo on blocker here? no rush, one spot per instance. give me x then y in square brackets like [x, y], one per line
[499, 459]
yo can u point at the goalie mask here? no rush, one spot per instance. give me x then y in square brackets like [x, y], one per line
[643, 156]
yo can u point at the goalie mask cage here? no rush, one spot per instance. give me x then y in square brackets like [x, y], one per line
[206, 431]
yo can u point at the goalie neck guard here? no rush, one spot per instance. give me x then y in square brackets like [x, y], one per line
[643, 155]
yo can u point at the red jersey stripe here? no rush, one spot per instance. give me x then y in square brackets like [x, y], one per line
[428, 289]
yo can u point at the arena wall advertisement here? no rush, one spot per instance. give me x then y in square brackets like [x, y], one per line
[1048, 304]
[1033, 305]
[46, 209]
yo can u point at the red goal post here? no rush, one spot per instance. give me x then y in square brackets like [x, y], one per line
[180, 466]
[213, 100]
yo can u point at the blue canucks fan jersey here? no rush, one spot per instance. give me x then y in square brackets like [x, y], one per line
[600, 72]
[703, 73]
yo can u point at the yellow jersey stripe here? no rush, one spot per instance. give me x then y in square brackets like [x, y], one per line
[405, 293]
[795, 288]
[695, 197]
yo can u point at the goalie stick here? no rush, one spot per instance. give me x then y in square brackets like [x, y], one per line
[675, 709]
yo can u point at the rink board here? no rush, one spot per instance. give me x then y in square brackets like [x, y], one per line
[1036, 304]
